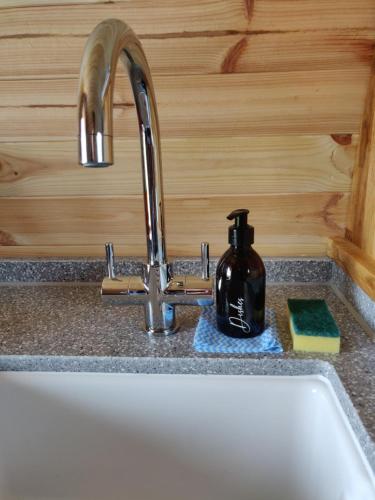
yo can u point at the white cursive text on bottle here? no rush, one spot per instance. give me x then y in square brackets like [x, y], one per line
[238, 321]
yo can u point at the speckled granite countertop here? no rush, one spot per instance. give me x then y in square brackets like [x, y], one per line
[65, 326]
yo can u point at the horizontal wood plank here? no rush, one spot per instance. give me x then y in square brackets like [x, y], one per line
[187, 16]
[319, 102]
[208, 166]
[283, 249]
[359, 265]
[16, 4]
[302, 222]
[259, 52]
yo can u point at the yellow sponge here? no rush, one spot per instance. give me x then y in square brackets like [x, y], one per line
[312, 326]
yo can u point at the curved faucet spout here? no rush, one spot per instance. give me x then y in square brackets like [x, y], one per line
[157, 290]
[112, 39]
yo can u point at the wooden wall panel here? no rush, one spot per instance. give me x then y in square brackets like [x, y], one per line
[201, 166]
[27, 58]
[186, 16]
[356, 253]
[318, 102]
[260, 103]
[295, 223]
[361, 223]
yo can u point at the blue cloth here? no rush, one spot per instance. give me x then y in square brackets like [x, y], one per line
[208, 338]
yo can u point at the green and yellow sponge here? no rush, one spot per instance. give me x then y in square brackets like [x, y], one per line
[312, 326]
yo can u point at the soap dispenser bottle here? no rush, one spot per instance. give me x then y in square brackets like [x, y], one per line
[240, 282]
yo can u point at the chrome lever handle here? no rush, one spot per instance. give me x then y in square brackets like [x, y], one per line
[110, 257]
[205, 260]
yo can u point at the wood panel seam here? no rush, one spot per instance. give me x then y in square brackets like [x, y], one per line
[192, 34]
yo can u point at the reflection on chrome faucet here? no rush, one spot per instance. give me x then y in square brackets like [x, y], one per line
[157, 290]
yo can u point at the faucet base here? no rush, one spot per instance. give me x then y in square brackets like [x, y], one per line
[162, 332]
[159, 306]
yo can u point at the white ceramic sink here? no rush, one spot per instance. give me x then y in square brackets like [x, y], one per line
[176, 437]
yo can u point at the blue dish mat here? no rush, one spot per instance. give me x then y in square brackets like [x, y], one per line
[208, 338]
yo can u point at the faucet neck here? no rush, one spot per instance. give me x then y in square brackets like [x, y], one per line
[112, 39]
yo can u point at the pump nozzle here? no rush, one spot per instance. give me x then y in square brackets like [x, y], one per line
[240, 234]
[240, 216]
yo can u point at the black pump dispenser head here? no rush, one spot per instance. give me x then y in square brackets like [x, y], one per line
[241, 234]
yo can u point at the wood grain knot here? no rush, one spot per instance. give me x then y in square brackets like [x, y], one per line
[7, 172]
[328, 212]
[6, 239]
[249, 9]
[342, 139]
[233, 55]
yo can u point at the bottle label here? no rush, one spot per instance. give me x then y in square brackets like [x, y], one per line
[238, 320]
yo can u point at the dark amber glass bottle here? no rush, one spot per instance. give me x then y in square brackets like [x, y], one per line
[240, 282]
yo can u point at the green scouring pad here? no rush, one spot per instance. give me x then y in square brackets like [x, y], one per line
[312, 326]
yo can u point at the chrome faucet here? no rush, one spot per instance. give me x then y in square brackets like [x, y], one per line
[157, 290]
